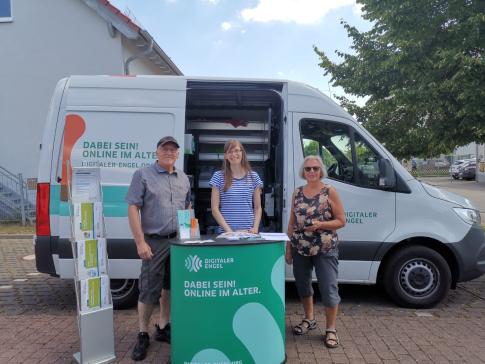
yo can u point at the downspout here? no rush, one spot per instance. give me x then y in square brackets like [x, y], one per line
[146, 52]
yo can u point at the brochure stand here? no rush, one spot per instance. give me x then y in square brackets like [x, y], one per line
[91, 280]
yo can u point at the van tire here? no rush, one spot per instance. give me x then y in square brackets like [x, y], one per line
[417, 277]
[124, 293]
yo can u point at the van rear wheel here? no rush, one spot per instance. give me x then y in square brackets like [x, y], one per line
[417, 277]
[124, 293]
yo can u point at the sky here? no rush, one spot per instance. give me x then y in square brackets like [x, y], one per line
[249, 38]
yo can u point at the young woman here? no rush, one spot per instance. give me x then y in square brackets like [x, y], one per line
[236, 192]
[316, 214]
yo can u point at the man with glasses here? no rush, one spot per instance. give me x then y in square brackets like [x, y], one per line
[155, 194]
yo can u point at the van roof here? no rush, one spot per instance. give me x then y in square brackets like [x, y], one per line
[304, 98]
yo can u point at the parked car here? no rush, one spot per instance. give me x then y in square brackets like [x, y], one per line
[455, 167]
[467, 170]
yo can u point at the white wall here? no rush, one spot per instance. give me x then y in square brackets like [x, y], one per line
[466, 150]
[46, 41]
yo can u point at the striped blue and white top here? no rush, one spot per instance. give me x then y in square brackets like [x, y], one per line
[236, 204]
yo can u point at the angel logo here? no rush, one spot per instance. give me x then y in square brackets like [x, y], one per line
[193, 263]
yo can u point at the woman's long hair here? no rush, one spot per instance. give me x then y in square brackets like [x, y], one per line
[226, 166]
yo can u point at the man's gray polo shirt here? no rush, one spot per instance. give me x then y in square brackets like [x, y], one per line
[159, 194]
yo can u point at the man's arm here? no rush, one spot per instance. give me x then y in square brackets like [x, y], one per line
[143, 249]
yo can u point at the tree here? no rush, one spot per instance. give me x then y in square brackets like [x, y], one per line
[422, 65]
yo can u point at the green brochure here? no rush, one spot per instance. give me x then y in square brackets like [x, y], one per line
[94, 293]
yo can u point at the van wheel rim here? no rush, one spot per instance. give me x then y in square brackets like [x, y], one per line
[419, 277]
[122, 288]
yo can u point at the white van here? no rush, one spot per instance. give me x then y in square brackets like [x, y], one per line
[415, 239]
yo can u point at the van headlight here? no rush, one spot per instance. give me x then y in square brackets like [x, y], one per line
[470, 216]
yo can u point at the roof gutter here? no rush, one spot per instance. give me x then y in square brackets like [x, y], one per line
[156, 48]
[146, 52]
[128, 29]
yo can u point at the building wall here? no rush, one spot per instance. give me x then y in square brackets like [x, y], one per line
[48, 40]
[471, 150]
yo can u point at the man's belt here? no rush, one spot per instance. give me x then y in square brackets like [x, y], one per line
[158, 236]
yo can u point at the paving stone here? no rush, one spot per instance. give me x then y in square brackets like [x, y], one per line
[38, 323]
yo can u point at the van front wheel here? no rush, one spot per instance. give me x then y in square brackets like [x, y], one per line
[417, 277]
[124, 293]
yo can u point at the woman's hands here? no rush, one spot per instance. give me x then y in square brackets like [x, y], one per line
[315, 226]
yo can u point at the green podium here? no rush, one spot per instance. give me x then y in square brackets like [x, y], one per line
[228, 302]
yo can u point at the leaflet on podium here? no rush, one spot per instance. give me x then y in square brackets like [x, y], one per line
[184, 218]
[91, 258]
[88, 218]
[95, 293]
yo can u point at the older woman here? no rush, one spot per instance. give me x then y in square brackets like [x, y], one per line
[316, 214]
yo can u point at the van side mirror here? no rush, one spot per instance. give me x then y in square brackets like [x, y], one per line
[387, 176]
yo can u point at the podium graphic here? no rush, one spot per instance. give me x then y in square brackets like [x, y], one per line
[228, 302]
[91, 279]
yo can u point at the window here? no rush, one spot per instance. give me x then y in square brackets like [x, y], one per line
[346, 155]
[332, 142]
[367, 163]
[5, 11]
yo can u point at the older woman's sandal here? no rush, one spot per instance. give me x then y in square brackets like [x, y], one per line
[304, 326]
[331, 339]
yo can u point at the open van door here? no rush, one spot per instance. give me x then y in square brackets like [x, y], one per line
[362, 175]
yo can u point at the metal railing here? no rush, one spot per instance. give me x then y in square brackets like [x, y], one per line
[17, 201]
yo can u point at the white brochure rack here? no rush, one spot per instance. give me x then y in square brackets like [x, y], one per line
[91, 279]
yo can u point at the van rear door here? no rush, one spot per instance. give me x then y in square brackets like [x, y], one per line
[112, 123]
[352, 163]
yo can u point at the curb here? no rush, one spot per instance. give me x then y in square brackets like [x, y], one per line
[16, 236]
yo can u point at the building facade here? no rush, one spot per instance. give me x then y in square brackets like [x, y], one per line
[44, 41]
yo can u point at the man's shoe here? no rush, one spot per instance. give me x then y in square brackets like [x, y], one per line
[163, 334]
[141, 346]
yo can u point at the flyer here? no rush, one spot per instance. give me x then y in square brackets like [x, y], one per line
[95, 293]
[88, 220]
[85, 184]
[91, 258]
[184, 223]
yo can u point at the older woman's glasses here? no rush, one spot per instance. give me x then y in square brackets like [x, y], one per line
[314, 169]
[235, 151]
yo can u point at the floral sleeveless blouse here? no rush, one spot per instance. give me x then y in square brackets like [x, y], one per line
[309, 243]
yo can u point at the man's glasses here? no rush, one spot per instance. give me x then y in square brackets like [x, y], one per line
[314, 169]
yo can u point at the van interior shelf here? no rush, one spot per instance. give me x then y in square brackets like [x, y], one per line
[216, 115]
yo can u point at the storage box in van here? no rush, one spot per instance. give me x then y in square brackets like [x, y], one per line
[417, 240]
